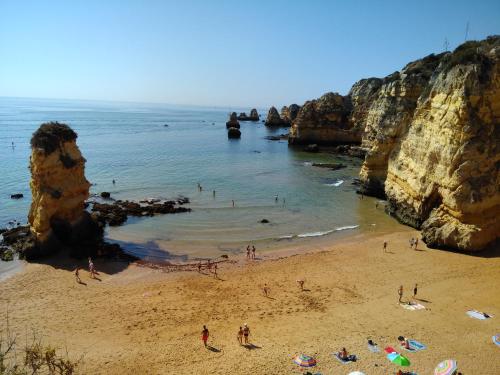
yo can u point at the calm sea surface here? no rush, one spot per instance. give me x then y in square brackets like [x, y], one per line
[129, 143]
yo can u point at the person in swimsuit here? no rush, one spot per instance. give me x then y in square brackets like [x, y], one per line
[204, 335]
[400, 293]
[215, 271]
[253, 252]
[239, 336]
[385, 246]
[415, 290]
[199, 267]
[248, 252]
[246, 332]
[301, 284]
[91, 268]
[343, 354]
[265, 290]
[416, 243]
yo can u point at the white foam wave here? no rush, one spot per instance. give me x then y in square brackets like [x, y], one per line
[315, 234]
[286, 237]
[337, 183]
[347, 227]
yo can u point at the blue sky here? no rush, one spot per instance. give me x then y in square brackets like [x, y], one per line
[221, 53]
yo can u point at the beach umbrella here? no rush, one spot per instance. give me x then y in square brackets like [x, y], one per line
[304, 360]
[398, 359]
[496, 339]
[447, 367]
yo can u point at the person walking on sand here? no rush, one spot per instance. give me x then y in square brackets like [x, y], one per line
[215, 271]
[91, 268]
[385, 246]
[77, 275]
[415, 290]
[204, 335]
[266, 290]
[301, 284]
[199, 267]
[239, 336]
[400, 292]
[248, 252]
[416, 243]
[253, 252]
[246, 333]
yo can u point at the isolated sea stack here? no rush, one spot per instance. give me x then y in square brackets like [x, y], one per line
[233, 121]
[433, 135]
[274, 118]
[57, 216]
[325, 121]
[254, 116]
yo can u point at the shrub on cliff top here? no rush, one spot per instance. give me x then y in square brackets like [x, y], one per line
[50, 134]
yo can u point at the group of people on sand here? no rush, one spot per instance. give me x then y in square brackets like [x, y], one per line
[251, 252]
[211, 267]
[242, 336]
[93, 272]
[400, 292]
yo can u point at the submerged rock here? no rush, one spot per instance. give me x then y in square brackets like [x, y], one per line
[332, 166]
[312, 148]
[16, 196]
[105, 195]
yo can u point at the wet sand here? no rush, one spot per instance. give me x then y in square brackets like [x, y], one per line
[141, 321]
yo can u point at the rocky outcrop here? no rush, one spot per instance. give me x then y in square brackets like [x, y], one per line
[57, 216]
[233, 121]
[288, 114]
[274, 118]
[433, 135]
[325, 121]
[254, 116]
[233, 133]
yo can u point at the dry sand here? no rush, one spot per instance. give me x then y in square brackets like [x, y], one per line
[142, 321]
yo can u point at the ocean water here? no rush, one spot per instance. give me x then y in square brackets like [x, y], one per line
[128, 142]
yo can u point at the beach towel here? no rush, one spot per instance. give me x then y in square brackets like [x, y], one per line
[478, 315]
[390, 349]
[415, 346]
[496, 339]
[416, 306]
[373, 348]
[351, 358]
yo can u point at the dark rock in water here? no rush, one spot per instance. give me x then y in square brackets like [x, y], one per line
[12, 235]
[166, 125]
[264, 221]
[233, 121]
[105, 194]
[234, 133]
[254, 116]
[356, 182]
[332, 166]
[276, 137]
[354, 151]
[17, 196]
[311, 148]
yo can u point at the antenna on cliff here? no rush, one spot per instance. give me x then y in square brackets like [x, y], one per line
[466, 31]
[446, 44]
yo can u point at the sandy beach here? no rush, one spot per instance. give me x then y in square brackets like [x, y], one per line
[141, 321]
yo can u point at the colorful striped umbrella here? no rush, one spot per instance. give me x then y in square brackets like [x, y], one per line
[496, 339]
[304, 360]
[447, 367]
[398, 359]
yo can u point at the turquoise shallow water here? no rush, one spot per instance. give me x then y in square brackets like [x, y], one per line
[129, 143]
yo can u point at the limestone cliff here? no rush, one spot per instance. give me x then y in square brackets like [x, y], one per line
[274, 119]
[289, 113]
[434, 137]
[59, 189]
[324, 121]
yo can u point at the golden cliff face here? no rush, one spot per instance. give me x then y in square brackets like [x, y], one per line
[58, 184]
[434, 147]
[324, 121]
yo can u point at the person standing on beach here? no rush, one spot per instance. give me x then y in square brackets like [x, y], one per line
[213, 193]
[266, 290]
[91, 268]
[301, 284]
[246, 333]
[233, 202]
[385, 246]
[400, 293]
[199, 267]
[416, 243]
[276, 198]
[204, 335]
[239, 336]
[415, 290]
[412, 241]
[215, 271]
[283, 202]
[248, 252]
[77, 275]
[253, 252]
